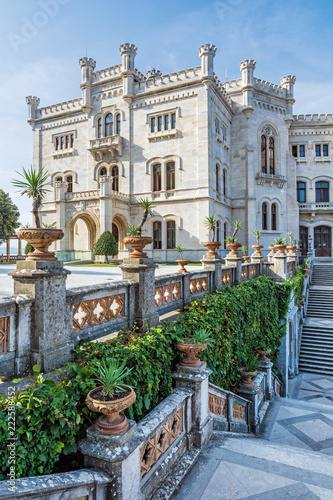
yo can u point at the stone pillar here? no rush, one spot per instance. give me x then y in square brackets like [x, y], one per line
[213, 263]
[266, 367]
[8, 250]
[258, 259]
[60, 203]
[118, 456]
[251, 393]
[106, 203]
[186, 288]
[143, 272]
[51, 328]
[235, 261]
[271, 256]
[280, 266]
[197, 379]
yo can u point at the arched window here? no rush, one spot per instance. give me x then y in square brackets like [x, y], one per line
[264, 216]
[58, 179]
[103, 172]
[273, 215]
[225, 234]
[157, 235]
[263, 154]
[157, 177]
[303, 235]
[118, 124]
[217, 178]
[224, 182]
[271, 156]
[322, 192]
[99, 128]
[109, 125]
[301, 192]
[171, 234]
[218, 230]
[170, 173]
[69, 181]
[115, 178]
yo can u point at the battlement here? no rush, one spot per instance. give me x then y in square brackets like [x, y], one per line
[72, 105]
[84, 61]
[160, 80]
[107, 73]
[221, 88]
[313, 119]
[268, 87]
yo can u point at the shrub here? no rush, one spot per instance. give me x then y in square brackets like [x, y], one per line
[28, 248]
[106, 245]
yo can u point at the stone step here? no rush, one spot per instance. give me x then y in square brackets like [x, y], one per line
[315, 343]
[317, 349]
[317, 356]
[303, 367]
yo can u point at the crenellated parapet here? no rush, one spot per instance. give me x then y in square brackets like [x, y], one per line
[269, 88]
[87, 67]
[314, 119]
[207, 53]
[153, 73]
[73, 105]
[33, 103]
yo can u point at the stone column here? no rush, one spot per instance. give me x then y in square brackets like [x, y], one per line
[197, 380]
[51, 328]
[258, 259]
[251, 393]
[280, 266]
[8, 250]
[235, 261]
[213, 263]
[19, 248]
[143, 272]
[266, 367]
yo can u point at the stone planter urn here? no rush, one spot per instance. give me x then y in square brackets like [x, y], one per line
[233, 247]
[182, 263]
[212, 246]
[191, 350]
[272, 250]
[112, 422]
[246, 259]
[247, 376]
[262, 354]
[292, 249]
[257, 249]
[138, 243]
[40, 239]
[281, 249]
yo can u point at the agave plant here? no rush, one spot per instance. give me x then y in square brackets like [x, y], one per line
[280, 241]
[211, 223]
[244, 249]
[257, 233]
[146, 206]
[110, 375]
[132, 230]
[34, 185]
[180, 249]
[49, 226]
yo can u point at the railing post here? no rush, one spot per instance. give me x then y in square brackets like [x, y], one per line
[280, 266]
[236, 262]
[143, 272]
[212, 263]
[258, 259]
[253, 393]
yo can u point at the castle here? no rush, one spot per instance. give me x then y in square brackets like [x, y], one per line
[194, 146]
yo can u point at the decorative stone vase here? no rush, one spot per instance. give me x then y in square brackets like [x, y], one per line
[246, 259]
[257, 249]
[281, 249]
[247, 376]
[291, 249]
[272, 250]
[262, 354]
[190, 350]
[138, 243]
[112, 422]
[233, 247]
[40, 239]
[182, 263]
[212, 246]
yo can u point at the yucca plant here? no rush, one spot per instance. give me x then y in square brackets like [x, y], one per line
[257, 233]
[146, 206]
[110, 375]
[237, 227]
[244, 249]
[132, 230]
[280, 241]
[34, 185]
[290, 236]
[49, 226]
[211, 223]
[180, 249]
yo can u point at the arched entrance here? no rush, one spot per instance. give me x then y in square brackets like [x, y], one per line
[303, 236]
[83, 233]
[322, 241]
[119, 225]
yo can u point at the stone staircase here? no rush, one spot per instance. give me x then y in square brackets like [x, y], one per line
[316, 353]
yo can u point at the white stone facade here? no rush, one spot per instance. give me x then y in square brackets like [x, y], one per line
[204, 137]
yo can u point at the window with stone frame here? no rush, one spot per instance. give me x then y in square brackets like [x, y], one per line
[271, 156]
[69, 181]
[118, 124]
[63, 142]
[217, 178]
[298, 150]
[268, 151]
[157, 177]
[115, 178]
[218, 230]
[301, 191]
[264, 213]
[322, 192]
[171, 234]
[225, 234]
[325, 149]
[321, 149]
[224, 182]
[157, 235]
[103, 172]
[163, 121]
[99, 128]
[264, 154]
[109, 125]
[274, 217]
[170, 174]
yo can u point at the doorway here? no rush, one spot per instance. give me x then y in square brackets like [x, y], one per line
[322, 241]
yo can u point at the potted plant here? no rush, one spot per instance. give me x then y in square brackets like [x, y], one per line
[262, 351]
[249, 371]
[280, 245]
[34, 185]
[182, 262]
[211, 223]
[111, 397]
[192, 345]
[271, 247]
[232, 242]
[257, 233]
[134, 238]
[306, 268]
[245, 257]
[293, 243]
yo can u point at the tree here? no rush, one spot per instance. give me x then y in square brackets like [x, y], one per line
[28, 248]
[34, 185]
[106, 245]
[9, 216]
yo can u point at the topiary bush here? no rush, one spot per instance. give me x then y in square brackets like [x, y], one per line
[106, 245]
[28, 248]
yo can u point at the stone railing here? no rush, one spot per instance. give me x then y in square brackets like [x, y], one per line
[82, 195]
[312, 207]
[250, 271]
[72, 105]
[230, 411]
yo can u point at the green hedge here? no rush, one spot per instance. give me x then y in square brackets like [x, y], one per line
[51, 415]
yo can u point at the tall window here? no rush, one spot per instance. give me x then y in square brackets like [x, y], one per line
[157, 177]
[152, 124]
[225, 234]
[318, 149]
[62, 142]
[171, 234]
[103, 172]
[225, 182]
[294, 150]
[218, 230]
[157, 235]
[301, 150]
[170, 175]
[173, 120]
[273, 215]
[271, 156]
[263, 154]
[118, 124]
[69, 181]
[109, 125]
[57, 143]
[58, 179]
[115, 178]
[166, 122]
[217, 178]
[67, 141]
[159, 123]
[298, 151]
[325, 149]
[322, 192]
[264, 215]
[301, 192]
[99, 128]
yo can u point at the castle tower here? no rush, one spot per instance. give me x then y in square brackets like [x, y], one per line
[288, 82]
[247, 68]
[207, 53]
[128, 53]
[87, 66]
[33, 103]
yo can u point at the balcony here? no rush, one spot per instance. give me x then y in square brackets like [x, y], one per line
[271, 179]
[314, 207]
[106, 146]
[162, 134]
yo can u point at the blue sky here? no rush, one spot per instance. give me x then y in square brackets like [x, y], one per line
[42, 41]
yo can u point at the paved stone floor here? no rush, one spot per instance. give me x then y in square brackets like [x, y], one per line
[292, 458]
[81, 275]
